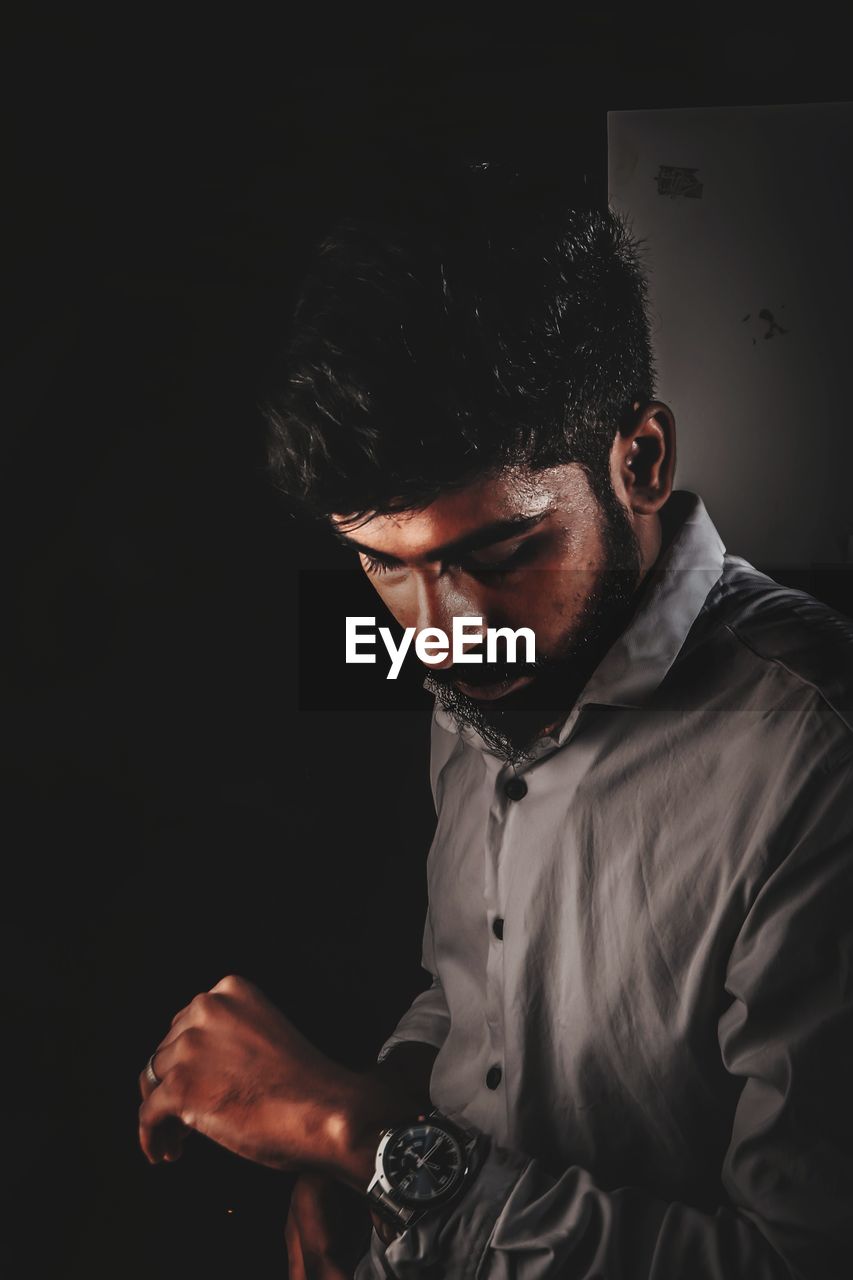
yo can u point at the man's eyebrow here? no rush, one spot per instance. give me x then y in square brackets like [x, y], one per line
[495, 531]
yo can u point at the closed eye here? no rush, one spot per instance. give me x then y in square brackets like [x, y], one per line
[501, 558]
[376, 568]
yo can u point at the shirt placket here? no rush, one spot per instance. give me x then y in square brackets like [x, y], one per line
[505, 839]
[508, 791]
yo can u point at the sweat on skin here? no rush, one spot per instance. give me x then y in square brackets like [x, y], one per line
[432, 645]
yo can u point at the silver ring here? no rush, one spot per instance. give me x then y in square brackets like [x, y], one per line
[150, 1074]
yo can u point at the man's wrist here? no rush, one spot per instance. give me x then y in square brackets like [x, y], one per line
[371, 1105]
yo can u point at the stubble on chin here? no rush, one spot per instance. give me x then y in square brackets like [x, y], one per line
[512, 726]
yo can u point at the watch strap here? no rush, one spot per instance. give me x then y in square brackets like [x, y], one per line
[399, 1215]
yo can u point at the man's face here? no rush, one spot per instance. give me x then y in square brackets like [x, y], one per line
[520, 549]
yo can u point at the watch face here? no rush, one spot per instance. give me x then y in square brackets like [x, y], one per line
[423, 1163]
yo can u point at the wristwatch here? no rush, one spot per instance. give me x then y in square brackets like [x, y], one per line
[420, 1166]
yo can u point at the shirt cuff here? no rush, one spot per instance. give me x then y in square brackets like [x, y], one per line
[453, 1239]
[373, 1265]
[422, 1032]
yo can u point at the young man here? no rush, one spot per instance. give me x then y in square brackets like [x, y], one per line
[638, 1040]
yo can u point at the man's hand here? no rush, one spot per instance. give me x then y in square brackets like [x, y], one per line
[235, 1069]
[327, 1229]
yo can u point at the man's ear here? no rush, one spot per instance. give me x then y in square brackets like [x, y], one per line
[642, 460]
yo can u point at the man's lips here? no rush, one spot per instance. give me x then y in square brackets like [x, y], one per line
[491, 692]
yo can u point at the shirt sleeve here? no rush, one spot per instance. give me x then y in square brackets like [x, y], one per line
[427, 1019]
[786, 1037]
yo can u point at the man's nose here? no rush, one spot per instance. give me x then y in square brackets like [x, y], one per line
[439, 601]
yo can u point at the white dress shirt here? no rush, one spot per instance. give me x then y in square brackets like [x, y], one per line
[642, 968]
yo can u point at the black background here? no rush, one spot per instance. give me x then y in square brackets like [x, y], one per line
[171, 814]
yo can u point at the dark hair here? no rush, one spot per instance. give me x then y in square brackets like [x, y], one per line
[434, 345]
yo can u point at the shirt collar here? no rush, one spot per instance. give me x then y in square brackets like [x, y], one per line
[673, 597]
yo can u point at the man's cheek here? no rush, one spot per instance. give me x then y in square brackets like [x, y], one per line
[557, 617]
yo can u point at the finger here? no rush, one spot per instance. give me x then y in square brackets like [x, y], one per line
[173, 1132]
[156, 1062]
[322, 1217]
[318, 1266]
[179, 1025]
[232, 985]
[171, 1136]
[146, 1084]
[312, 1207]
[163, 1058]
[150, 1118]
[162, 1123]
[295, 1260]
[162, 1140]
[242, 993]
[204, 1008]
[180, 1013]
[307, 1234]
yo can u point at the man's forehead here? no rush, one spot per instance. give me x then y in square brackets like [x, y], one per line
[512, 494]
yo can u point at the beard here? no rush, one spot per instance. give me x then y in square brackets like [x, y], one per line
[511, 725]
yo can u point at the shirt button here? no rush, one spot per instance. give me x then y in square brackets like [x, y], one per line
[515, 789]
[493, 1077]
[498, 927]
